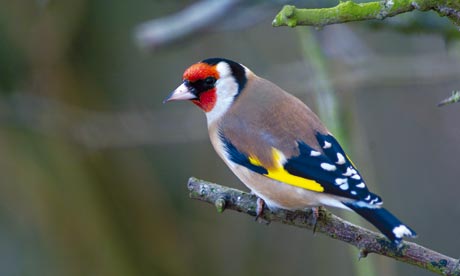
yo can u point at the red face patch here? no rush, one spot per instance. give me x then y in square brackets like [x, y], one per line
[207, 100]
[200, 71]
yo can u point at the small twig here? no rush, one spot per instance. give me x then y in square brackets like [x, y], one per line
[365, 240]
[452, 99]
[349, 11]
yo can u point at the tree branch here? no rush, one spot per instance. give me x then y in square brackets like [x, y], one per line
[365, 240]
[350, 11]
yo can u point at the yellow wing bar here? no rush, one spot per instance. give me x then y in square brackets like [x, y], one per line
[278, 172]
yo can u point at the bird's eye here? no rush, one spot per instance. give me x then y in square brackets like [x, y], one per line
[210, 80]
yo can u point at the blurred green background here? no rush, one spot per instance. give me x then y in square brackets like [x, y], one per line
[93, 167]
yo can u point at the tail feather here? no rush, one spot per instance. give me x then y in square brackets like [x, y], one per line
[386, 222]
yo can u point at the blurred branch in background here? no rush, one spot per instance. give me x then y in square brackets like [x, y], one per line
[202, 17]
[191, 20]
[452, 99]
[349, 11]
[332, 226]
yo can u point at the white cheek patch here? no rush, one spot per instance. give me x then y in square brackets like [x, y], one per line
[224, 70]
[226, 89]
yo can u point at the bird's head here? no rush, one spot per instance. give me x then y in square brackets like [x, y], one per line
[212, 84]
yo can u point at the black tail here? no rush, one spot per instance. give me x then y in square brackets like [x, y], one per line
[388, 224]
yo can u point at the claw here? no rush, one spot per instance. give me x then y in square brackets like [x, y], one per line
[362, 253]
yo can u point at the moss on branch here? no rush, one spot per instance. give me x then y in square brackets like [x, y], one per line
[328, 224]
[349, 11]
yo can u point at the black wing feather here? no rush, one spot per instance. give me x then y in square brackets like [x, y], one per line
[344, 181]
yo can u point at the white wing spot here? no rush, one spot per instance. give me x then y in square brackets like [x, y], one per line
[315, 153]
[328, 167]
[361, 185]
[353, 193]
[356, 176]
[349, 172]
[340, 181]
[365, 205]
[344, 186]
[326, 145]
[340, 159]
[368, 197]
[401, 231]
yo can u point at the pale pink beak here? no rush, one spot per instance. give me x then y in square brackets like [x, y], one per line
[181, 93]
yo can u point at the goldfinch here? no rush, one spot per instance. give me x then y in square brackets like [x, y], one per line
[277, 146]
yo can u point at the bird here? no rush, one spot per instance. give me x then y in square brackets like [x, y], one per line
[277, 146]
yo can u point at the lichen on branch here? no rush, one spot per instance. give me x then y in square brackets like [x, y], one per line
[349, 11]
[328, 224]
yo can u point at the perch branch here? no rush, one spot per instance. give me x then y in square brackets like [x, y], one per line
[349, 11]
[365, 240]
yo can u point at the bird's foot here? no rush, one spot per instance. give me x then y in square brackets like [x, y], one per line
[259, 208]
[314, 217]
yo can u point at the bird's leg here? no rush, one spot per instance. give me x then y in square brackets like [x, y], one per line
[314, 217]
[259, 207]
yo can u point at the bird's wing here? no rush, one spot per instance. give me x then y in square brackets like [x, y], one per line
[272, 133]
[327, 171]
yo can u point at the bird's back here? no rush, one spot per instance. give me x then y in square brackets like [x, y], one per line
[269, 115]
